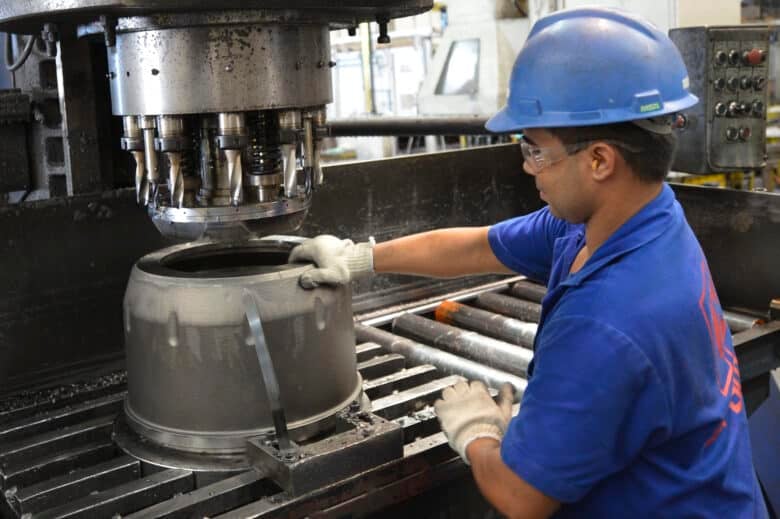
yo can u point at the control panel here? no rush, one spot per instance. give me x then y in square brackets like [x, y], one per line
[727, 69]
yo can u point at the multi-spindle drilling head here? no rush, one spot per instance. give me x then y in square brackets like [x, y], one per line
[223, 101]
[229, 107]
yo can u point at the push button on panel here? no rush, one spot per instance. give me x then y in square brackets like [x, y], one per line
[753, 57]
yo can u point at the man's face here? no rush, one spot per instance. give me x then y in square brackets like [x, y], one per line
[563, 180]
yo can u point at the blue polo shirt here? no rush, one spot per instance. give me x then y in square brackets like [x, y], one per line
[634, 405]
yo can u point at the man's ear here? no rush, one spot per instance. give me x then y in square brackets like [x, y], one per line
[603, 161]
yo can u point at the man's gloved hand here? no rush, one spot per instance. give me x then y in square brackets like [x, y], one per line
[338, 261]
[466, 412]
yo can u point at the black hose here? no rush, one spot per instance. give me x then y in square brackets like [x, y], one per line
[12, 65]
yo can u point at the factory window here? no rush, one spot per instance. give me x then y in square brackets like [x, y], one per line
[461, 73]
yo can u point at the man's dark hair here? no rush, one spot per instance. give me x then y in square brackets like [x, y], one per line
[651, 164]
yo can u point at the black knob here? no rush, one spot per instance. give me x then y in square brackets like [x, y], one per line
[745, 133]
[759, 82]
[733, 83]
[734, 57]
[744, 108]
[719, 84]
[758, 108]
[721, 109]
[383, 36]
[746, 82]
[721, 57]
[732, 133]
[734, 109]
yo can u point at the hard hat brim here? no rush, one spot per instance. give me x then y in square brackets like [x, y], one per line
[507, 121]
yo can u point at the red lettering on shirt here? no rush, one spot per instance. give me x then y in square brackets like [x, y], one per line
[722, 425]
[725, 362]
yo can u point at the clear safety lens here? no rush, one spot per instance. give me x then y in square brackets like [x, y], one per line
[538, 158]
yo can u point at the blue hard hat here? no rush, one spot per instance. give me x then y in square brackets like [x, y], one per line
[590, 66]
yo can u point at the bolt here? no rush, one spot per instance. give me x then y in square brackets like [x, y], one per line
[228, 68]
[383, 36]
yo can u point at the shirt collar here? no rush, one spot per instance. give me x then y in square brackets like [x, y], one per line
[645, 226]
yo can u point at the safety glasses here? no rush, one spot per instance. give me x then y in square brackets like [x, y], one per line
[538, 158]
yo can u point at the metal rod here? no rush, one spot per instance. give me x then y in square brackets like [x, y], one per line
[408, 126]
[740, 322]
[267, 369]
[492, 352]
[511, 306]
[450, 364]
[528, 290]
[491, 324]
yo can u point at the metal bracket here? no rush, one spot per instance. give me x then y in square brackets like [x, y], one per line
[269, 374]
[361, 442]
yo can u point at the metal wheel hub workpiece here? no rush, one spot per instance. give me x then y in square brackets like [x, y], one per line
[194, 382]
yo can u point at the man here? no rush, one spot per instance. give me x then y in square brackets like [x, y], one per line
[634, 406]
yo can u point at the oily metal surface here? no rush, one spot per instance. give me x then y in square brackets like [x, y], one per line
[27, 15]
[194, 382]
[222, 68]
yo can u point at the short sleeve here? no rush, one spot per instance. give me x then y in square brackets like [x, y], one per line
[593, 403]
[525, 244]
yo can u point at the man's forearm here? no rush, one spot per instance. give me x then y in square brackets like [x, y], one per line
[506, 491]
[441, 253]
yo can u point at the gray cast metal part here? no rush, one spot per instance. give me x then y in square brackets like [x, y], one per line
[185, 322]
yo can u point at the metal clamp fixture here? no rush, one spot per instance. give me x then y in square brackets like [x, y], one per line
[269, 374]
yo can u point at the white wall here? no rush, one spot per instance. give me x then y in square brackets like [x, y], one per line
[693, 13]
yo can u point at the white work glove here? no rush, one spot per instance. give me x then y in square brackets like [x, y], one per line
[338, 261]
[466, 412]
